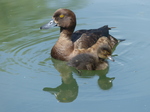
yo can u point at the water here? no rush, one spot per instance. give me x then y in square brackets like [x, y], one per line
[30, 80]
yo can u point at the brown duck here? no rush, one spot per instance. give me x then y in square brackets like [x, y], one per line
[71, 43]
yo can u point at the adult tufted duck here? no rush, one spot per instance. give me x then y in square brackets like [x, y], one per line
[71, 44]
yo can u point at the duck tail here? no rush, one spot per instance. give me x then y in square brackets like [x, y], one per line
[119, 40]
[111, 28]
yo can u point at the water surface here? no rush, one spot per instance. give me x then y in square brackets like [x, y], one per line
[32, 81]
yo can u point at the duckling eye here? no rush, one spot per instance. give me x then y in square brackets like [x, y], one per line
[105, 52]
[61, 16]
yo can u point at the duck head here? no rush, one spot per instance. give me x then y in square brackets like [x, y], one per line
[105, 52]
[64, 18]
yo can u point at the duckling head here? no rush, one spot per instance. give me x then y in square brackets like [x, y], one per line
[105, 52]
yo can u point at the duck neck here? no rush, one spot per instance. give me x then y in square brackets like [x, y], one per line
[64, 46]
[66, 32]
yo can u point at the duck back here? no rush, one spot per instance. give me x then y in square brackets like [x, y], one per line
[87, 38]
[102, 31]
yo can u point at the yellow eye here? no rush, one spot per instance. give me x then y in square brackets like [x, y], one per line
[61, 16]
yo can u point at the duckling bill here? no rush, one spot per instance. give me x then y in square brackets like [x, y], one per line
[70, 43]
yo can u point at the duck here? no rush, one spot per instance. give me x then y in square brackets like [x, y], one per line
[91, 61]
[70, 43]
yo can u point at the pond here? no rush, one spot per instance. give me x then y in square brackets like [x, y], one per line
[32, 81]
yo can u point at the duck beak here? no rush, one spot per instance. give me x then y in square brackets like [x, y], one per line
[110, 58]
[49, 25]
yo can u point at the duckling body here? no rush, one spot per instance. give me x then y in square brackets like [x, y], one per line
[87, 61]
[71, 44]
[93, 61]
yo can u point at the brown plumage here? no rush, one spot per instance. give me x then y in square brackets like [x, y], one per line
[71, 44]
[91, 60]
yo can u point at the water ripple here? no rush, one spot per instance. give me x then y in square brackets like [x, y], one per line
[27, 53]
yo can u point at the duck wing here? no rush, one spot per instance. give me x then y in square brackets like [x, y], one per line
[87, 38]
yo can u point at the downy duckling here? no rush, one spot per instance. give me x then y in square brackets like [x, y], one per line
[88, 61]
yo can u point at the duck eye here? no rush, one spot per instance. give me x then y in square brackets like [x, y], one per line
[105, 52]
[61, 16]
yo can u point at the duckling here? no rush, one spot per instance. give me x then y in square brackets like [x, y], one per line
[88, 61]
[71, 43]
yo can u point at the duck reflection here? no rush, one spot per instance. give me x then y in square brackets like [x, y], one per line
[68, 90]
[104, 82]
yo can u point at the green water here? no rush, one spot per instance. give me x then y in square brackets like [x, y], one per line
[31, 81]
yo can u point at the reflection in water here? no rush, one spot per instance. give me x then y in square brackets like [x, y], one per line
[105, 83]
[68, 90]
